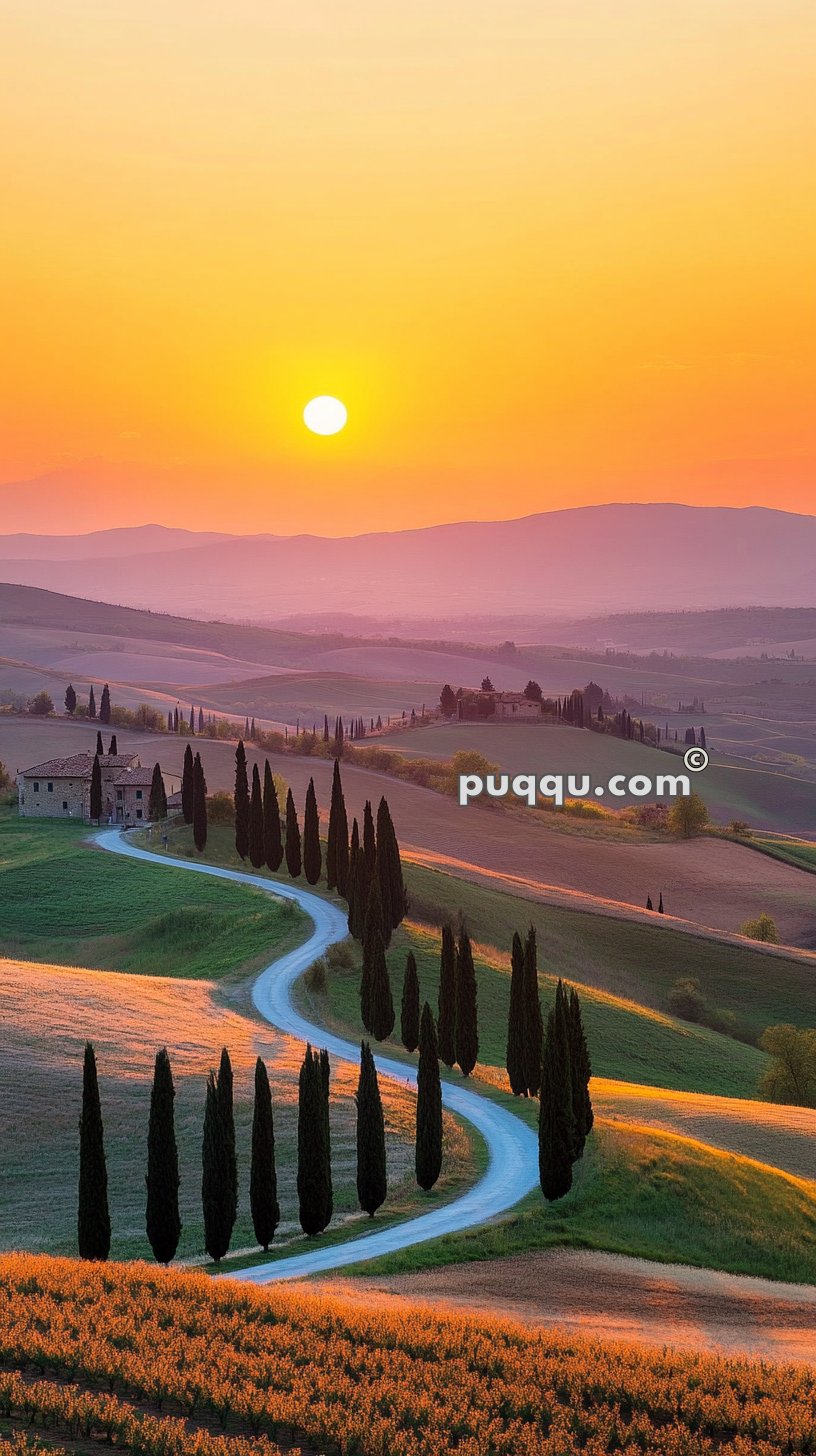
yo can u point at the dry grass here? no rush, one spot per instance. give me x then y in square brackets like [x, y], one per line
[48, 1012]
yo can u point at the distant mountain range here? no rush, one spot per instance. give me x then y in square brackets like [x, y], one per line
[571, 563]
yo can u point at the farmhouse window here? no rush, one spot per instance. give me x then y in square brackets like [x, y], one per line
[120, 794]
[50, 788]
[138, 793]
[138, 813]
[65, 805]
[36, 786]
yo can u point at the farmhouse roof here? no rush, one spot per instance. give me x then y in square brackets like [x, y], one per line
[139, 777]
[77, 765]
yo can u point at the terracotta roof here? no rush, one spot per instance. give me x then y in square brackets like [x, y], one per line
[139, 777]
[77, 765]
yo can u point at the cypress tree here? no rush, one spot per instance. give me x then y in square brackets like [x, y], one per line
[556, 1132]
[580, 1072]
[467, 1033]
[369, 840]
[201, 720]
[175, 720]
[273, 843]
[389, 868]
[227, 1116]
[96, 790]
[187, 791]
[162, 1216]
[312, 855]
[93, 1218]
[105, 705]
[157, 805]
[314, 1152]
[446, 1025]
[256, 822]
[428, 1154]
[357, 891]
[337, 844]
[372, 1181]
[199, 805]
[114, 747]
[91, 704]
[532, 1021]
[660, 904]
[376, 1003]
[216, 1191]
[263, 1181]
[325, 1080]
[100, 747]
[294, 862]
[515, 1021]
[409, 1020]
[169, 721]
[70, 700]
[241, 801]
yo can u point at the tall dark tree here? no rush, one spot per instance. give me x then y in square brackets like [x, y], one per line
[515, 1021]
[241, 802]
[162, 1216]
[372, 1181]
[314, 1149]
[201, 720]
[337, 843]
[114, 746]
[446, 1024]
[187, 793]
[580, 1073]
[105, 705]
[312, 855]
[93, 1218]
[95, 806]
[409, 1019]
[448, 702]
[218, 1166]
[176, 719]
[376, 1002]
[199, 805]
[467, 1029]
[91, 704]
[256, 823]
[70, 700]
[428, 1153]
[533, 1023]
[556, 1129]
[294, 860]
[358, 886]
[273, 842]
[389, 868]
[263, 1179]
[369, 840]
[100, 747]
[157, 803]
[192, 721]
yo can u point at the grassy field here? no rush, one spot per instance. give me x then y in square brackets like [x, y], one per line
[67, 903]
[656, 1195]
[629, 1042]
[49, 1011]
[626, 958]
[761, 796]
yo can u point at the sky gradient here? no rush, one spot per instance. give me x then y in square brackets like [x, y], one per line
[548, 254]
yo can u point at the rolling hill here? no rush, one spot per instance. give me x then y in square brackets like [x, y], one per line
[607, 558]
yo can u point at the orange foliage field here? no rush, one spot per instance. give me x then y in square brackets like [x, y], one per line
[288, 1366]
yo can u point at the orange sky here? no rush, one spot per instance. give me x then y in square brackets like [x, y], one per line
[548, 252]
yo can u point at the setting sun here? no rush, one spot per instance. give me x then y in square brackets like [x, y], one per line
[325, 415]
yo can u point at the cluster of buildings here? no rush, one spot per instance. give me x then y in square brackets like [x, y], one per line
[60, 788]
[488, 705]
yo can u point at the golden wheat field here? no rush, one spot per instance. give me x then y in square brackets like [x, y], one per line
[146, 1358]
[47, 1013]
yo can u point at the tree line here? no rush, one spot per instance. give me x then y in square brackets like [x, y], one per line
[219, 1162]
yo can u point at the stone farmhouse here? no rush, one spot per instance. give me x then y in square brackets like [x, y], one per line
[481, 705]
[60, 788]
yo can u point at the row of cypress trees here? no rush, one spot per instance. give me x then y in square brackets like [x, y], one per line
[219, 1181]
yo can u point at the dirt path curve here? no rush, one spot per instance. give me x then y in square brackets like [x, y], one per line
[612, 1297]
[512, 1146]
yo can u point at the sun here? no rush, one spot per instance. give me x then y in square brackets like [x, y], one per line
[325, 415]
